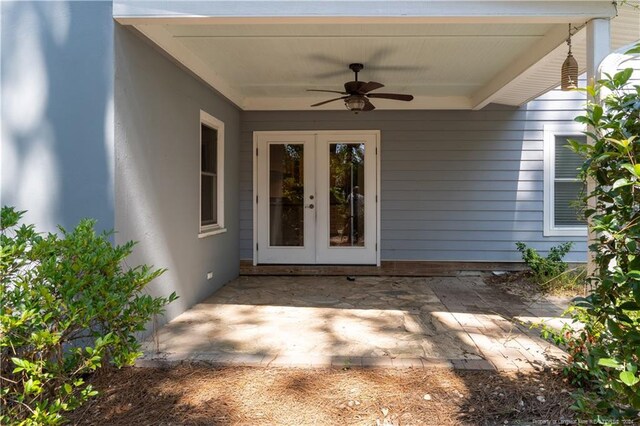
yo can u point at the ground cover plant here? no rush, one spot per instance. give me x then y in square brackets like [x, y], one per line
[551, 275]
[69, 307]
[605, 352]
[545, 267]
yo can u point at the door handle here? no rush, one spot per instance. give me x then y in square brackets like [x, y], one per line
[310, 206]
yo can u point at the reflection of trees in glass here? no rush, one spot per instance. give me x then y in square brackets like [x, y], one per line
[287, 209]
[346, 162]
[292, 182]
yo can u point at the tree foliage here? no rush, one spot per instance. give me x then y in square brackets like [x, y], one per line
[605, 352]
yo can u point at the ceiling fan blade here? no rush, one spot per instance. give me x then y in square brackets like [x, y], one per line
[326, 59]
[394, 68]
[394, 96]
[330, 100]
[351, 86]
[327, 91]
[367, 87]
[368, 106]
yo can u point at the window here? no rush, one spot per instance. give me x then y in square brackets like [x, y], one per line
[211, 175]
[562, 188]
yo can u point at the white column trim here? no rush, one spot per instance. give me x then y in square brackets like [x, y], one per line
[598, 48]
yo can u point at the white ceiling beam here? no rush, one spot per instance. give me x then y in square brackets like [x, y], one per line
[304, 103]
[545, 75]
[361, 11]
[485, 95]
[165, 40]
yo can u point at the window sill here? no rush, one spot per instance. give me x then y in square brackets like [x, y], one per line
[212, 231]
[566, 232]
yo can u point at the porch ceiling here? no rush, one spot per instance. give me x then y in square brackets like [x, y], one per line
[268, 64]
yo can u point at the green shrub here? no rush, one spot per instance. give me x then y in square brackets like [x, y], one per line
[605, 353]
[68, 308]
[545, 268]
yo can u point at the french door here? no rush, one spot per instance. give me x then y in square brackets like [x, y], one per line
[316, 197]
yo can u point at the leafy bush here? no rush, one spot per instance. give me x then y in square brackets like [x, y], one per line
[548, 267]
[605, 353]
[68, 308]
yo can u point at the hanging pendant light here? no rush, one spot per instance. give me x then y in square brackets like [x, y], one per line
[569, 80]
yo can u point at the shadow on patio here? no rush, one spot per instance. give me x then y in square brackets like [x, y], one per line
[414, 322]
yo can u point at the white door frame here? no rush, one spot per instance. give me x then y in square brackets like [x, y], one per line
[305, 254]
[256, 134]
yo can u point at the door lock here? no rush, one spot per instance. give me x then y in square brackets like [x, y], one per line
[310, 206]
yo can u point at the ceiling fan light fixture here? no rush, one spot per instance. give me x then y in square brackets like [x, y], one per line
[355, 103]
[356, 93]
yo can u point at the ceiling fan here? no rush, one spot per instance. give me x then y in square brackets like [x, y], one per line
[357, 93]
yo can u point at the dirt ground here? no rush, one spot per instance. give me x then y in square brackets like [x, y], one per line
[523, 285]
[198, 395]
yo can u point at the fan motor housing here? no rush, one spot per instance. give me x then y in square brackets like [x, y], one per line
[356, 67]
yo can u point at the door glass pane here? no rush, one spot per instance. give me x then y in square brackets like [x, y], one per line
[286, 195]
[346, 194]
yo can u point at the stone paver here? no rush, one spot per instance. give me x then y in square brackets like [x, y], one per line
[372, 322]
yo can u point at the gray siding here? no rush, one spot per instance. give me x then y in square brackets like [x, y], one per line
[57, 111]
[632, 62]
[158, 170]
[455, 185]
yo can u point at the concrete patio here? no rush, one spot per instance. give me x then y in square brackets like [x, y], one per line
[397, 322]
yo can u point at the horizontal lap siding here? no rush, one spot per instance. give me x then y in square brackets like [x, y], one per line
[455, 185]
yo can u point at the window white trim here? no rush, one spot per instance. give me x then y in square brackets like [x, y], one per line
[217, 228]
[550, 229]
[215, 231]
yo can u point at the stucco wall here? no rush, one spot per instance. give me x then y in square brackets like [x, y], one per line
[57, 111]
[455, 185]
[158, 170]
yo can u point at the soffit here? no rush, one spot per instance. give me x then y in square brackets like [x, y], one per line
[425, 62]
[544, 75]
[268, 65]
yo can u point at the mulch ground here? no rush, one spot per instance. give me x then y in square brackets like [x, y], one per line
[199, 395]
[519, 283]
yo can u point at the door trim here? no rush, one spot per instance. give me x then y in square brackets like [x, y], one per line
[254, 153]
[296, 254]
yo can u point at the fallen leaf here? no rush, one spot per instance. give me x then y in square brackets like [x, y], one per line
[541, 398]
